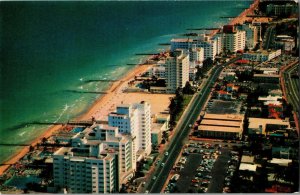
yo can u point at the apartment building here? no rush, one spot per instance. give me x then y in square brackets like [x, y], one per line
[181, 44]
[261, 56]
[251, 34]
[98, 161]
[135, 121]
[211, 46]
[177, 70]
[281, 10]
[86, 170]
[196, 54]
[233, 40]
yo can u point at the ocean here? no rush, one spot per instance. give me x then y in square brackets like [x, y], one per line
[49, 51]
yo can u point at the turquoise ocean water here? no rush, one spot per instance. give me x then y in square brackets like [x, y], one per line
[50, 49]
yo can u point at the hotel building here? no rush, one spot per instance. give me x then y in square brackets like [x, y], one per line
[233, 40]
[89, 170]
[135, 121]
[251, 34]
[177, 70]
[99, 159]
[196, 54]
[261, 56]
[102, 157]
[279, 10]
[211, 46]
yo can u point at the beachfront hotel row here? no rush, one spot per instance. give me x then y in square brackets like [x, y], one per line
[104, 156]
[186, 54]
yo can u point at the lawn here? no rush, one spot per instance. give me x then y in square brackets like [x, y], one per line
[186, 101]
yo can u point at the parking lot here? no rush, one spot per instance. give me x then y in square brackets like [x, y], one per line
[203, 167]
[219, 172]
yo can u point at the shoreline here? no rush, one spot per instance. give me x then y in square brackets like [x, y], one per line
[85, 116]
[114, 89]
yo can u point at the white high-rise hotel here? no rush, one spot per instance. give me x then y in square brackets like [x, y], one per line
[102, 156]
[177, 70]
[210, 45]
[233, 40]
[134, 120]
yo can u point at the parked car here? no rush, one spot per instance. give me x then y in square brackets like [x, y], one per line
[175, 177]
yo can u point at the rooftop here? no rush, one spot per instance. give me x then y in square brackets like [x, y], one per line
[267, 75]
[123, 106]
[80, 154]
[230, 117]
[255, 122]
[221, 123]
[249, 167]
[107, 127]
[116, 114]
[156, 127]
[247, 159]
[219, 128]
[182, 40]
[281, 161]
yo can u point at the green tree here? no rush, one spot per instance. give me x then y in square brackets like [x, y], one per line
[188, 89]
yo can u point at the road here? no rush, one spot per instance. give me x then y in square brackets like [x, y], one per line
[269, 36]
[291, 86]
[182, 131]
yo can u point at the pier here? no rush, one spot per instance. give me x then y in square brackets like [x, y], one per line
[164, 44]
[100, 80]
[73, 122]
[146, 54]
[91, 92]
[228, 17]
[203, 28]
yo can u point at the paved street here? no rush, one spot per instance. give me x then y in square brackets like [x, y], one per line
[291, 85]
[269, 37]
[189, 117]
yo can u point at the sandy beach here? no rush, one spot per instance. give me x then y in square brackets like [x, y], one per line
[115, 96]
[242, 17]
[105, 101]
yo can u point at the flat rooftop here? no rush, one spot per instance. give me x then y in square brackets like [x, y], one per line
[107, 127]
[247, 159]
[266, 75]
[229, 117]
[220, 123]
[255, 122]
[75, 154]
[280, 161]
[219, 128]
[249, 167]
[182, 40]
[224, 107]
[156, 127]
